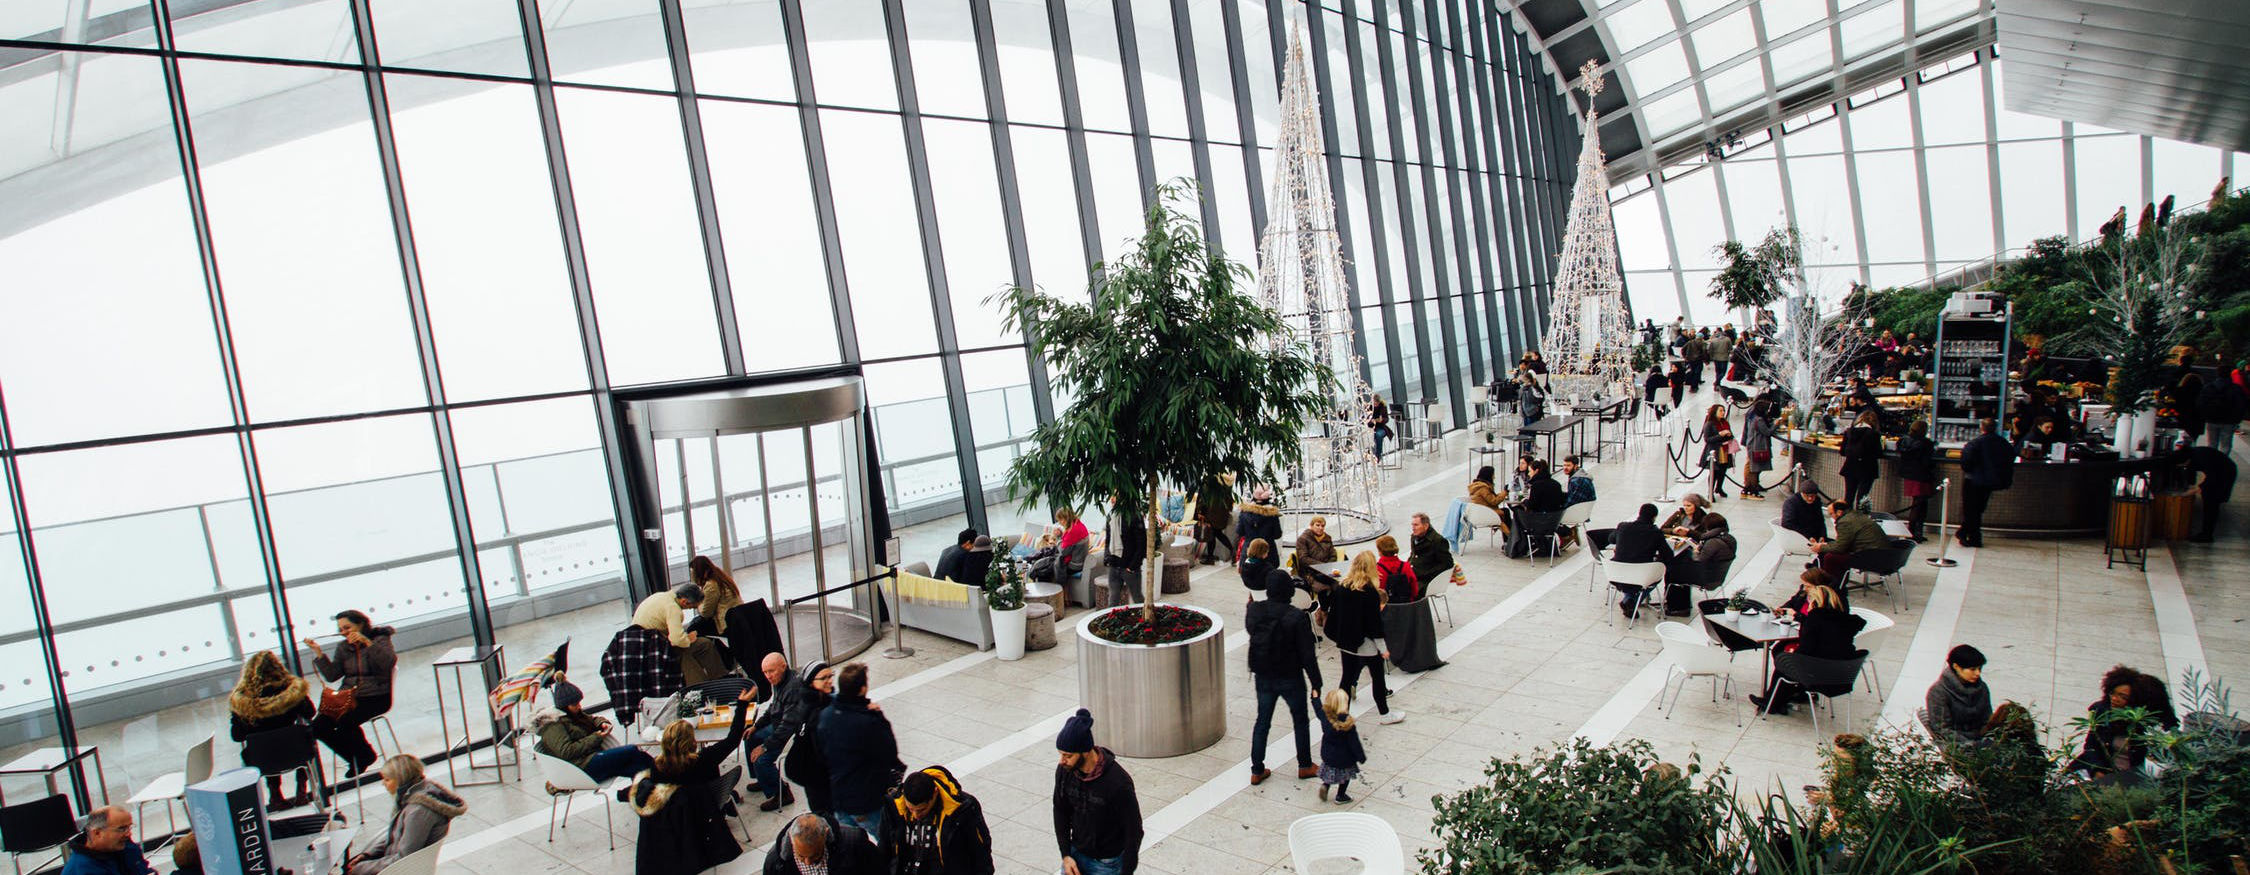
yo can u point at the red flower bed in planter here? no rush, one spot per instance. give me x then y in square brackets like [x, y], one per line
[1172, 623]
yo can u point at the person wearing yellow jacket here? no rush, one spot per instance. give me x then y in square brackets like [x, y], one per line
[935, 828]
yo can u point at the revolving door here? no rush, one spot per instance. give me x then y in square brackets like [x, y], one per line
[769, 482]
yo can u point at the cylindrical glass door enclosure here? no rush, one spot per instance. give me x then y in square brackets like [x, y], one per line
[770, 482]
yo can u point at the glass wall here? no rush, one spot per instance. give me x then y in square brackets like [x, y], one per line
[1909, 181]
[320, 307]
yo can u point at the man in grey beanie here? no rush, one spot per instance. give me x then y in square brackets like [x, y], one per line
[1097, 814]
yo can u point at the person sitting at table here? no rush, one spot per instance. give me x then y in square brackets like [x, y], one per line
[364, 663]
[1710, 548]
[1855, 532]
[268, 697]
[105, 845]
[1315, 547]
[1804, 514]
[965, 562]
[1519, 483]
[1397, 577]
[1807, 581]
[699, 657]
[1542, 493]
[1482, 491]
[1655, 382]
[1689, 518]
[1431, 556]
[1676, 376]
[566, 732]
[1578, 488]
[682, 798]
[1824, 631]
[1638, 539]
[1959, 705]
[422, 812]
[2111, 745]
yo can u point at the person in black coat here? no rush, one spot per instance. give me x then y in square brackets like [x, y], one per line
[680, 800]
[1127, 552]
[1862, 448]
[1824, 632]
[861, 751]
[2217, 472]
[1989, 462]
[1917, 474]
[1638, 540]
[1355, 623]
[1546, 495]
[1259, 568]
[1097, 812]
[804, 763]
[817, 843]
[936, 828]
[1430, 555]
[1282, 667]
[1804, 513]
[269, 697]
[964, 562]
[2110, 745]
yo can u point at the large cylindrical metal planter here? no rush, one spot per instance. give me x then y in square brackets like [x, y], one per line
[1155, 700]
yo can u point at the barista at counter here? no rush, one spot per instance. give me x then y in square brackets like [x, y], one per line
[1860, 397]
[2040, 441]
[2039, 403]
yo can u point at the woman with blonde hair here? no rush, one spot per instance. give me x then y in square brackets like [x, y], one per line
[679, 799]
[1340, 748]
[1355, 623]
[422, 812]
[1825, 631]
[269, 697]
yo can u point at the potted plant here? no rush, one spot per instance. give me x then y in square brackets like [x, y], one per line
[1736, 604]
[1910, 381]
[1003, 595]
[1174, 380]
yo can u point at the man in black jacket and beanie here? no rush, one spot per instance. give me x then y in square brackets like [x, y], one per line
[1097, 814]
[862, 752]
[1281, 666]
[1989, 462]
[935, 828]
[815, 843]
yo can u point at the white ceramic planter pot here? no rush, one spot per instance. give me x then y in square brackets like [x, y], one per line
[1155, 700]
[1007, 634]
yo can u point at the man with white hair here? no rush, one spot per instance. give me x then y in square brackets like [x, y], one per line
[814, 844]
[105, 846]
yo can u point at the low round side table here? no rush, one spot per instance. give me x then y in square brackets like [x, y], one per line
[1050, 594]
[1176, 576]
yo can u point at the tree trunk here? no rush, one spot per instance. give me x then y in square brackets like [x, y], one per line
[1153, 579]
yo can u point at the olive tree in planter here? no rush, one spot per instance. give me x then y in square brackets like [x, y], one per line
[1172, 381]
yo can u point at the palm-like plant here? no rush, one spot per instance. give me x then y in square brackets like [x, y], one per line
[1171, 376]
[1756, 275]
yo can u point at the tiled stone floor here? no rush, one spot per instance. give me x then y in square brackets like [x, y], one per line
[2047, 613]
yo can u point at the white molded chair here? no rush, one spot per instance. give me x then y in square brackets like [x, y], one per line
[1643, 577]
[573, 780]
[1694, 655]
[1487, 519]
[422, 862]
[172, 787]
[1877, 624]
[1574, 519]
[1793, 543]
[1347, 834]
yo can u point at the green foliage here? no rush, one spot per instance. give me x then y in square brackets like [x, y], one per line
[1613, 809]
[1754, 276]
[1901, 310]
[1003, 579]
[1171, 376]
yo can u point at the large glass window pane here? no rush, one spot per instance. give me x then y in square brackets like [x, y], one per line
[606, 42]
[2031, 192]
[1001, 416]
[1953, 109]
[1824, 209]
[1883, 124]
[294, 207]
[1101, 78]
[320, 30]
[882, 237]
[1720, 41]
[914, 439]
[1891, 206]
[1027, 61]
[84, 324]
[360, 522]
[1960, 202]
[973, 227]
[1214, 75]
[1341, 99]
[1880, 29]
[851, 53]
[1232, 195]
[2109, 176]
[1655, 295]
[644, 244]
[1401, 95]
[1636, 24]
[948, 79]
[2184, 170]
[1640, 233]
[737, 48]
[1160, 69]
[110, 22]
[475, 171]
[780, 281]
[1263, 67]
[26, 696]
[467, 36]
[545, 527]
[1117, 192]
[1050, 210]
[1692, 202]
[1754, 197]
[1802, 58]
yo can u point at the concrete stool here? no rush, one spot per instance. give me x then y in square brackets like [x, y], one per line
[1050, 594]
[1176, 576]
[1038, 626]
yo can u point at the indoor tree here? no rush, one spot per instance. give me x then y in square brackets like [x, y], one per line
[1171, 377]
[1752, 277]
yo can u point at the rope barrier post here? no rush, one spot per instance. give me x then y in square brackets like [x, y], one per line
[1945, 514]
[898, 649]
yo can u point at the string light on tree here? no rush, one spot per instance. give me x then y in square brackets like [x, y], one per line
[1589, 341]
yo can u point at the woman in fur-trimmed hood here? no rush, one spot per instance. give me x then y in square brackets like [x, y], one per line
[682, 800]
[268, 697]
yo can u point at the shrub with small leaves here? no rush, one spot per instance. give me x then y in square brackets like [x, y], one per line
[1612, 809]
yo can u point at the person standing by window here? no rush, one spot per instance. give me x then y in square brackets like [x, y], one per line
[361, 667]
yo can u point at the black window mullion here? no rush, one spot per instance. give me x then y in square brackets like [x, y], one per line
[1402, 183]
[1011, 190]
[1324, 79]
[1245, 117]
[933, 265]
[1199, 137]
[816, 165]
[1474, 163]
[425, 341]
[699, 180]
[1074, 130]
[1495, 171]
[1433, 219]
[1136, 101]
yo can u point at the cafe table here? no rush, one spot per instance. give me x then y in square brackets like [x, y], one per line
[1760, 628]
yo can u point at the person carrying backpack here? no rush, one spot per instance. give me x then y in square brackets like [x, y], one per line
[1282, 666]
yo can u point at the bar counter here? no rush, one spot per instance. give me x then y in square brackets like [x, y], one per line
[2048, 499]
